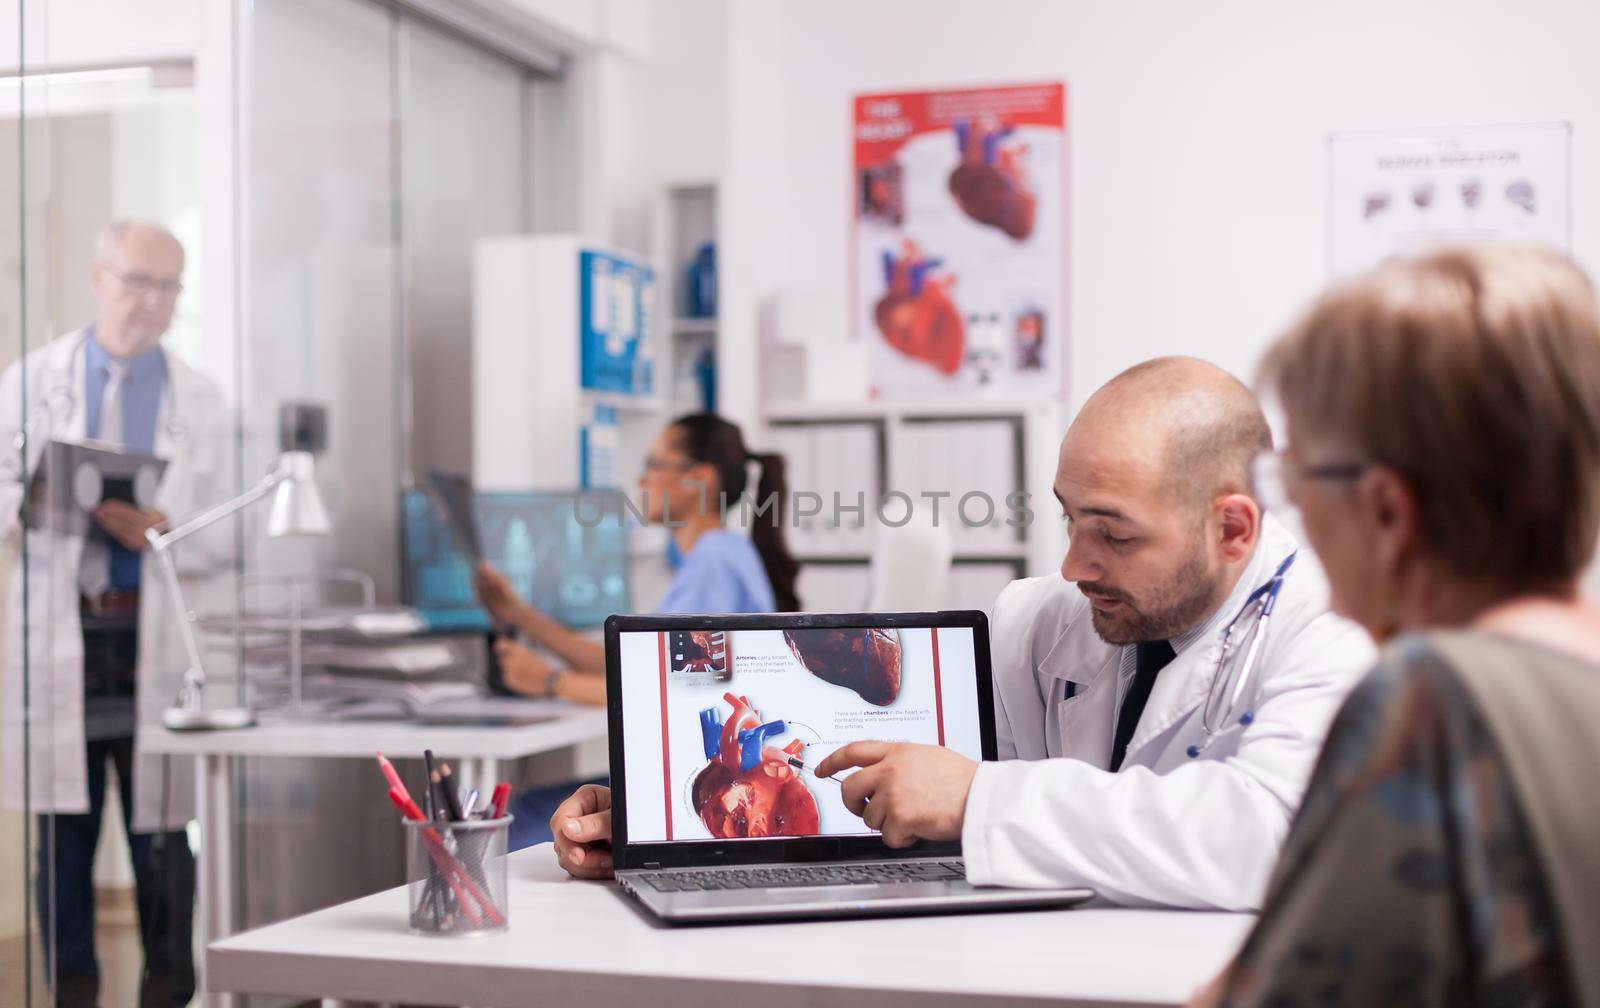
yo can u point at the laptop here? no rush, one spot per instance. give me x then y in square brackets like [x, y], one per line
[716, 726]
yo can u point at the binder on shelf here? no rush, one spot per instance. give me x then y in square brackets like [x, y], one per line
[616, 323]
[597, 450]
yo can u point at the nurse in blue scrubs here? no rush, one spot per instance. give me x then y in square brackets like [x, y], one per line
[696, 463]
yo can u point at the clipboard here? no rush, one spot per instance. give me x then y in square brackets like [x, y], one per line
[75, 477]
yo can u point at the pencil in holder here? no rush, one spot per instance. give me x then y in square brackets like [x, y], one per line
[456, 875]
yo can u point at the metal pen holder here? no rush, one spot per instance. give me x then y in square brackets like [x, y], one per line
[456, 876]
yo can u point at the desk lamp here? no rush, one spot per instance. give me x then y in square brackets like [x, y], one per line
[296, 511]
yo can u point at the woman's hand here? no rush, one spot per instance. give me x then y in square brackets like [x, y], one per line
[523, 670]
[582, 827]
[495, 592]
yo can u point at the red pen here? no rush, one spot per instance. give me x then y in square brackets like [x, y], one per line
[403, 802]
[393, 777]
[502, 792]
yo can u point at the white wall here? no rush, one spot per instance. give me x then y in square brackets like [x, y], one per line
[642, 121]
[1196, 132]
[683, 91]
[620, 25]
[66, 34]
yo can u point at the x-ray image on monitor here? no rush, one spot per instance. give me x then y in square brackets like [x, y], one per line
[574, 573]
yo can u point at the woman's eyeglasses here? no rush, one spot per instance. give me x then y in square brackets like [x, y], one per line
[657, 465]
[1275, 473]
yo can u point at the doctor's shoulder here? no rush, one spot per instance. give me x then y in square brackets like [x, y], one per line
[1031, 613]
[198, 383]
[33, 364]
[206, 415]
[30, 372]
[1305, 620]
[11, 380]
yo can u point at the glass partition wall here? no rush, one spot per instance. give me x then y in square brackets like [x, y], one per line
[381, 148]
[116, 408]
[315, 173]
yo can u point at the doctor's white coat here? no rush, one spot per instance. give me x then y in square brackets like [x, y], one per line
[193, 429]
[1168, 829]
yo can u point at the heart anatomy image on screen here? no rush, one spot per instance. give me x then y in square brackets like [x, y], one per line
[750, 788]
[865, 660]
[959, 217]
[724, 748]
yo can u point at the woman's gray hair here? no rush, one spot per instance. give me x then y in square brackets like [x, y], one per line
[1475, 373]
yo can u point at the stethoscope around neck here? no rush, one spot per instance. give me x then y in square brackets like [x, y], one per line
[1217, 719]
[61, 399]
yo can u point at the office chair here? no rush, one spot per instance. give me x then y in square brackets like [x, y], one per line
[910, 566]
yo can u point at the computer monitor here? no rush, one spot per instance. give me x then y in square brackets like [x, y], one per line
[540, 541]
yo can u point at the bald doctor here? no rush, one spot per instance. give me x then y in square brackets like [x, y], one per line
[1139, 756]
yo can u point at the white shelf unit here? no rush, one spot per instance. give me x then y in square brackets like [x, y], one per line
[922, 449]
[685, 217]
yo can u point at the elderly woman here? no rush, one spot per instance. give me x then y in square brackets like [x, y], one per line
[1443, 418]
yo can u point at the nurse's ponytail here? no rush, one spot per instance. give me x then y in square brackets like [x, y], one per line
[708, 438]
[782, 567]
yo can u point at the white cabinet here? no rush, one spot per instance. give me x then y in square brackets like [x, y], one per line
[965, 471]
[986, 467]
[835, 477]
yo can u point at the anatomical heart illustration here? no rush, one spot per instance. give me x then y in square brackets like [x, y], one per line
[750, 788]
[989, 184]
[916, 314]
[958, 247]
[864, 660]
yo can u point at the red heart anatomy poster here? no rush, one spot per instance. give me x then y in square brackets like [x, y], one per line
[959, 240]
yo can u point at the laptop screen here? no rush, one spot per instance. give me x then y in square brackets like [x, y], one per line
[723, 723]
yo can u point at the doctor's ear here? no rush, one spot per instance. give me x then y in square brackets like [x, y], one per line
[1391, 512]
[1238, 524]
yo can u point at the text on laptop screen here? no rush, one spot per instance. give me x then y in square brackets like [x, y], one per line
[722, 726]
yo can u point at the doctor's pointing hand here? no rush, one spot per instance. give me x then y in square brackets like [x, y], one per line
[906, 792]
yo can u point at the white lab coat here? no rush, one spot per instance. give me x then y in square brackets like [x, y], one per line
[193, 435]
[1168, 829]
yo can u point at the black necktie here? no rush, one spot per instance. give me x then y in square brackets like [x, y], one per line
[1149, 659]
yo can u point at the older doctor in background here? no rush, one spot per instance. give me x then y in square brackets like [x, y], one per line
[104, 654]
[1128, 764]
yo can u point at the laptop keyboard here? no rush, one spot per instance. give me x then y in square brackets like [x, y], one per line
[787, 876]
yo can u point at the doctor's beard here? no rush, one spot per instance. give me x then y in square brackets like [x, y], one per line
[1181, 603]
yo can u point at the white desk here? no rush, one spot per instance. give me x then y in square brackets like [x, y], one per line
[476, 752]
[584, 943]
